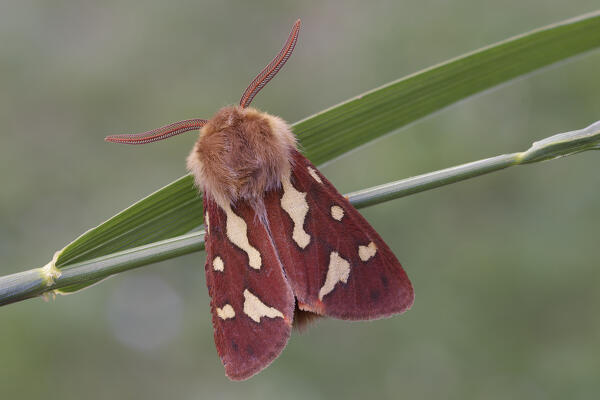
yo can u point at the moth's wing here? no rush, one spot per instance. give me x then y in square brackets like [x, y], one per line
[252, 303]
[334, 260]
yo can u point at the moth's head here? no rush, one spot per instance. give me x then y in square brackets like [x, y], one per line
[233, 118]
[232, 121]
[240, 154]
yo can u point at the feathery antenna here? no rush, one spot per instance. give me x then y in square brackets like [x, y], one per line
[272, 68]
[158, 133]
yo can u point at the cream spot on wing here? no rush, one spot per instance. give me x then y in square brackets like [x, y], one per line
[255, 309]
[218, 264]
[294, 203]
[237, 232]
[337, 213]
[226, 312]
[206, 224]
[366, 252]
[314, 174]
[338, 271]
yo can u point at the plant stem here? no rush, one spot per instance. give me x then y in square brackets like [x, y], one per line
[416, 184]
[34, 282]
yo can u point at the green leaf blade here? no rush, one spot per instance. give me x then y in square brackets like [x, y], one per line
[171, 211]
[177, 208]
[392, 106]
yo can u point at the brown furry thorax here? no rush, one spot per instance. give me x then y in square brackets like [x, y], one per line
[240, 154]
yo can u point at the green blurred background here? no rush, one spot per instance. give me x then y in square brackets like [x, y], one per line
[504, 266]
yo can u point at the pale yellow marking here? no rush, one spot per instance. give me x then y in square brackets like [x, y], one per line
[206, 224]
[226, 312]
[294, 203]
[237, 232]
[255, 309]
[338, 271]
[366, 252]
[337, 213]
[314, 174]
[218, 264]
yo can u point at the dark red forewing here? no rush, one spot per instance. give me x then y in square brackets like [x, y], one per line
[245, 345]
[346, 270]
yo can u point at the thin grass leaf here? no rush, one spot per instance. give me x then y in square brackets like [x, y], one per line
[80, 275]
[177, 208]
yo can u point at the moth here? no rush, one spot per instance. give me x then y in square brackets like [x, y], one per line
[282, 244]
